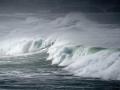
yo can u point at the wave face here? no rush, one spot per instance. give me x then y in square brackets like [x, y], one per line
[91, 51]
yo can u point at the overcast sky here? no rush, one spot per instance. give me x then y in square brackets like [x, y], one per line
[59, 5]
[46, 7]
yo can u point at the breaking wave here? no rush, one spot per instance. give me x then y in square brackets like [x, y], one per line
[93, 62]
[79, 51]
[23, 46]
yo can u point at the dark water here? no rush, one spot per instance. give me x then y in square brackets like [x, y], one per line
[34, 73]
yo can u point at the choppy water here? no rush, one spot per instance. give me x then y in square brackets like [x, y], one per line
[31, 72]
